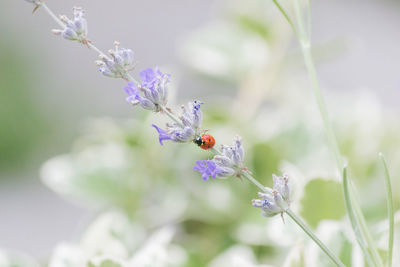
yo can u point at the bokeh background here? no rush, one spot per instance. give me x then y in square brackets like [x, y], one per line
[242, 60]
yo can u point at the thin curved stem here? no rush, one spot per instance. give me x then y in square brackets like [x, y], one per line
[254, 181]
[309, 62]
[308, 231]
[172, 116]
[62, 25]
[51, 13]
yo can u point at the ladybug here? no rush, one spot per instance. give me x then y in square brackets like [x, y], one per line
[205, 141]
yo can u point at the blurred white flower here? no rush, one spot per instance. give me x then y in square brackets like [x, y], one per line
[157, 251]
[236, 256]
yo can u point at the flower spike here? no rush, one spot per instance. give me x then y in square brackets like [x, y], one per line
[274, 200]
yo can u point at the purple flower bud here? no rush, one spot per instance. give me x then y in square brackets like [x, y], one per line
[183, 135]
[281, 184]
[120, 62]
[280, 202]
[238, 151]
[135, 98]
[69, 34]
[192, 116]
[133, 93]
[154, 83]
[276, 200]
[76, 29]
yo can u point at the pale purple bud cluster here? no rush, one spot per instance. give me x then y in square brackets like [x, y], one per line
[276, 200]
[189, 127]
[120, 62]
[75, 29]
[152, 93]
[192, 115]
[228, 163]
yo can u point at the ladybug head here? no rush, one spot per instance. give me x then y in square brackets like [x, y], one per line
[198, 141]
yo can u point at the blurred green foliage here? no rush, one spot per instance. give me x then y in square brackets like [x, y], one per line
[22, 123]
[323, 200]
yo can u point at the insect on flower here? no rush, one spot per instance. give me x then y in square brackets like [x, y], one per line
[205, 141]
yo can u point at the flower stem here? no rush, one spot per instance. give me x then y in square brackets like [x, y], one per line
[308, 231]
[309, 62]
[52, 15]
[62, 25]
[253, 180]
[172, 116]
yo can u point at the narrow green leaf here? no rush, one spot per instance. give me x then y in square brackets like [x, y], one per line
[364, 228]
[389, 209]
[354, 223]
[286, 17]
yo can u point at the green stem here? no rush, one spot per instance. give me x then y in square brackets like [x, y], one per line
[321, 105]
[309, 62]
[355, 224]
[389, 210]
[308, 231]
[172, 116]
[364, 228]
[253, 180]
[62, 25]
[52, 15]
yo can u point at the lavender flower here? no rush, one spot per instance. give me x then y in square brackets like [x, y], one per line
[119, 64]
[76, 29]
[228, 163]
[276, 200]
[209, 168]
[152, 93]
[154, 85]
[188, 129]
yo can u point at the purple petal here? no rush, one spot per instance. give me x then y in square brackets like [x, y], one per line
[207, 168]
[162, 134]
[151, 76]
[131, 89]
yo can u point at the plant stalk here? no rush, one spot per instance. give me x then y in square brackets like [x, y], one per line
[308, 231]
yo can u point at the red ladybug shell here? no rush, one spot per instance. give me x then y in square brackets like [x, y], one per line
[207, 141]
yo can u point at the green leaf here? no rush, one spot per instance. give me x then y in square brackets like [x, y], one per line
[358, 223]
[322, 200]
[254, 25]
[390, 210]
